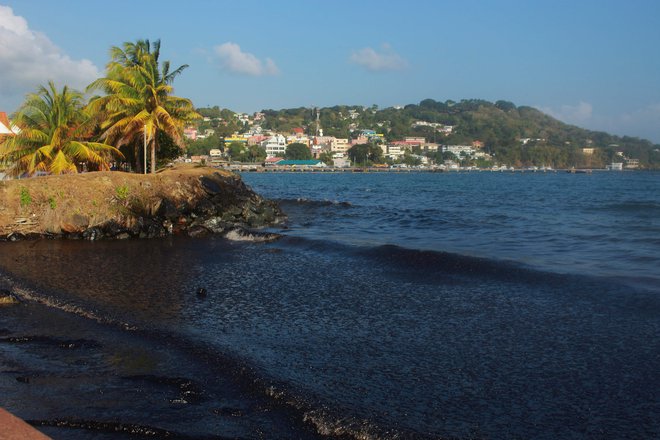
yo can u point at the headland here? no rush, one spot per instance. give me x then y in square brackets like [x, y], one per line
[185, 199]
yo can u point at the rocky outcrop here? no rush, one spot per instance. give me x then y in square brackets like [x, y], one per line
[112, 205]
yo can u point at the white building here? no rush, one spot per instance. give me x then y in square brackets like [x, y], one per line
[340, 162]
[458, 150]
[275, 146]
[395, 151]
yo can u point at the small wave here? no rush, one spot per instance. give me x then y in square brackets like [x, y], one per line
[425, 261]
[330, 422]
[27, 294]
[432, 265]
[437, 262]
[251, 236]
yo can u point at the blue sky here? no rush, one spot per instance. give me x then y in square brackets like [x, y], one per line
[595, 64]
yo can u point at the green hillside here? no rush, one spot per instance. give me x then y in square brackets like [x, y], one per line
[517, 136]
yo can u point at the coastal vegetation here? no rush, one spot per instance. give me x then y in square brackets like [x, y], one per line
[138, 103]
[59, 133]
[55, 136]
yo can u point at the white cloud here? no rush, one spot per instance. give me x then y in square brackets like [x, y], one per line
[571, 114]
[233, 59]
[374, 61]
[29, 59]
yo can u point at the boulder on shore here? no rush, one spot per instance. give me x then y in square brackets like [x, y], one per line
[185, 199]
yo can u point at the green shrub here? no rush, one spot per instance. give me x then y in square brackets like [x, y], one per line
[122, 192]
[26, 199]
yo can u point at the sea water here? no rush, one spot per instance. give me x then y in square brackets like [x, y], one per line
[412, 305]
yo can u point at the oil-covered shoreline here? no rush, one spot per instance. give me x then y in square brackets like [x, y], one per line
[75, 377]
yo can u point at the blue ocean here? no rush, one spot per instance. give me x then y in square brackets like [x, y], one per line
[475, 305]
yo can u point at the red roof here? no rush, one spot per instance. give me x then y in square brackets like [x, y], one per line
[298, 130]
[4, 119]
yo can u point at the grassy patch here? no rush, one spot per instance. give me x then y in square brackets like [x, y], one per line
[26, 199]
[122, 192]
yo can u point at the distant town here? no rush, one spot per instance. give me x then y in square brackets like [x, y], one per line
[256, 148]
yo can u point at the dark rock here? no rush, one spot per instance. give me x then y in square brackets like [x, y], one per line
[112, 229]
[167, 210]
[214, 224]
[92, 234]
[198, 231]
[205, 208]
[201, 291]
[211, 185]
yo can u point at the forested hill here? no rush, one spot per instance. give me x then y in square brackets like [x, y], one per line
[515, 135]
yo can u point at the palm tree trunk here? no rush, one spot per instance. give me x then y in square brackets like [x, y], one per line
[153, 154]
[136, 158]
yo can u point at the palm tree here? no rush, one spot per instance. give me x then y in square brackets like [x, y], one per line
[138, 101]
[53, 135]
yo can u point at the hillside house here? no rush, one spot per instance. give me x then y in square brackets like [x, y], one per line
[190, 133]
[275, 145]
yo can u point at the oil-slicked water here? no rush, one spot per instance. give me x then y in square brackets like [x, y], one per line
[415, 305]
